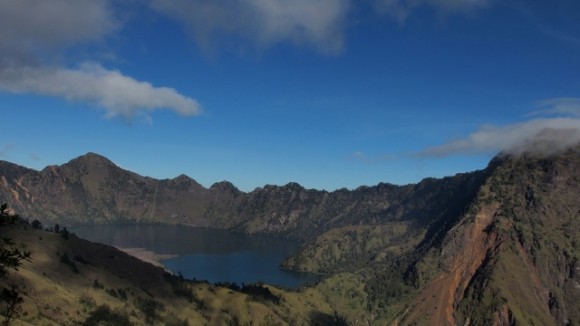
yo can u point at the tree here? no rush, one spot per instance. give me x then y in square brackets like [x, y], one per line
[37, 224]
[12, 299]
[7, 215]
[10, 258]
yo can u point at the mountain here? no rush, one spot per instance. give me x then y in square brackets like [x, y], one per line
[92, 189]
[497, 246]
[510, 256]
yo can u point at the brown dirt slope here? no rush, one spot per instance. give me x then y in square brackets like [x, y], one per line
[513, 257]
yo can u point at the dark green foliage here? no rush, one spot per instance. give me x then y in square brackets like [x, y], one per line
[318, 318]
[67, 261]
[103, 315]
[174, 321]
[260, 293]
[64, 233]
[230, 285]
[98, 285]
[36, 224]
[10, 257]
[122, 294]
[180, 286]
[11, 300]
[82, 260]
[150, 309]
[117, 293]
[112, 292]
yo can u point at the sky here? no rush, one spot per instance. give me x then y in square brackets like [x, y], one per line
[326, 93]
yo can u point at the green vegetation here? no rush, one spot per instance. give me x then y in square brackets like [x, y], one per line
[103, 315]
[498, 246]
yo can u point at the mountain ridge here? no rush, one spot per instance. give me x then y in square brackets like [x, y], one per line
[93, 189]
[494, 246]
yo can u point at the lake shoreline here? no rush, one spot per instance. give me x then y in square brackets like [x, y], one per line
[147, 256]
[200, 253]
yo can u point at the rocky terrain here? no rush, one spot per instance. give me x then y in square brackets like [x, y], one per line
[496, 246]
[92, 189]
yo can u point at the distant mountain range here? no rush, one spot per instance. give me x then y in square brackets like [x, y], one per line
[495, 246]
[92, 189]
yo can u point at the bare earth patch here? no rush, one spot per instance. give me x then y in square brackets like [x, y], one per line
[147, 255]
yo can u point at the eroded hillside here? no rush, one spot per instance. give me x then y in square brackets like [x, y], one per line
[513, 257]
[508, 254]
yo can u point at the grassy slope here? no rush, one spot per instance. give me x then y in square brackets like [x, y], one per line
[510, 253]
[56, 293]
[353, 247]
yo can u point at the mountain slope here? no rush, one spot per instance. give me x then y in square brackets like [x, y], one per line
[497, 246]
[71, 281]
[513, 257]
[92, 189]
[504, 252]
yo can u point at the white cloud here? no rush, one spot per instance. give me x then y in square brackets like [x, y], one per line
[34, 34]
[29, 28]
[316, 23]
[557, 130]
[402, 9]
[539, 136]
[118, 94]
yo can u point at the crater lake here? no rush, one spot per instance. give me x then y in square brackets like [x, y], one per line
[206, 254]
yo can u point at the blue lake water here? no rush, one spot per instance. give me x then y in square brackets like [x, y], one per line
[207, 254]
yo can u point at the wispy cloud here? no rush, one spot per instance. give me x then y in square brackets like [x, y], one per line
[35, 33]
[262, 23]
[118, 94]
[30, 28]
[402, 9]
[566, 106]
[539, 136]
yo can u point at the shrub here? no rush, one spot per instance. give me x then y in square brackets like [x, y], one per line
[103, 315]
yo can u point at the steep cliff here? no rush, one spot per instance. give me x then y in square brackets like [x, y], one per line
[513, 256]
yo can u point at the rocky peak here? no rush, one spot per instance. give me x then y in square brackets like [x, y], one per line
[90, 159]
[224, 186]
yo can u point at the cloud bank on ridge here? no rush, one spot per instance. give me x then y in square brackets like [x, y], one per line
[539, 136]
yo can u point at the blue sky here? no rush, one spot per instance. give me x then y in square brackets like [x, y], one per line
[326, 93]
